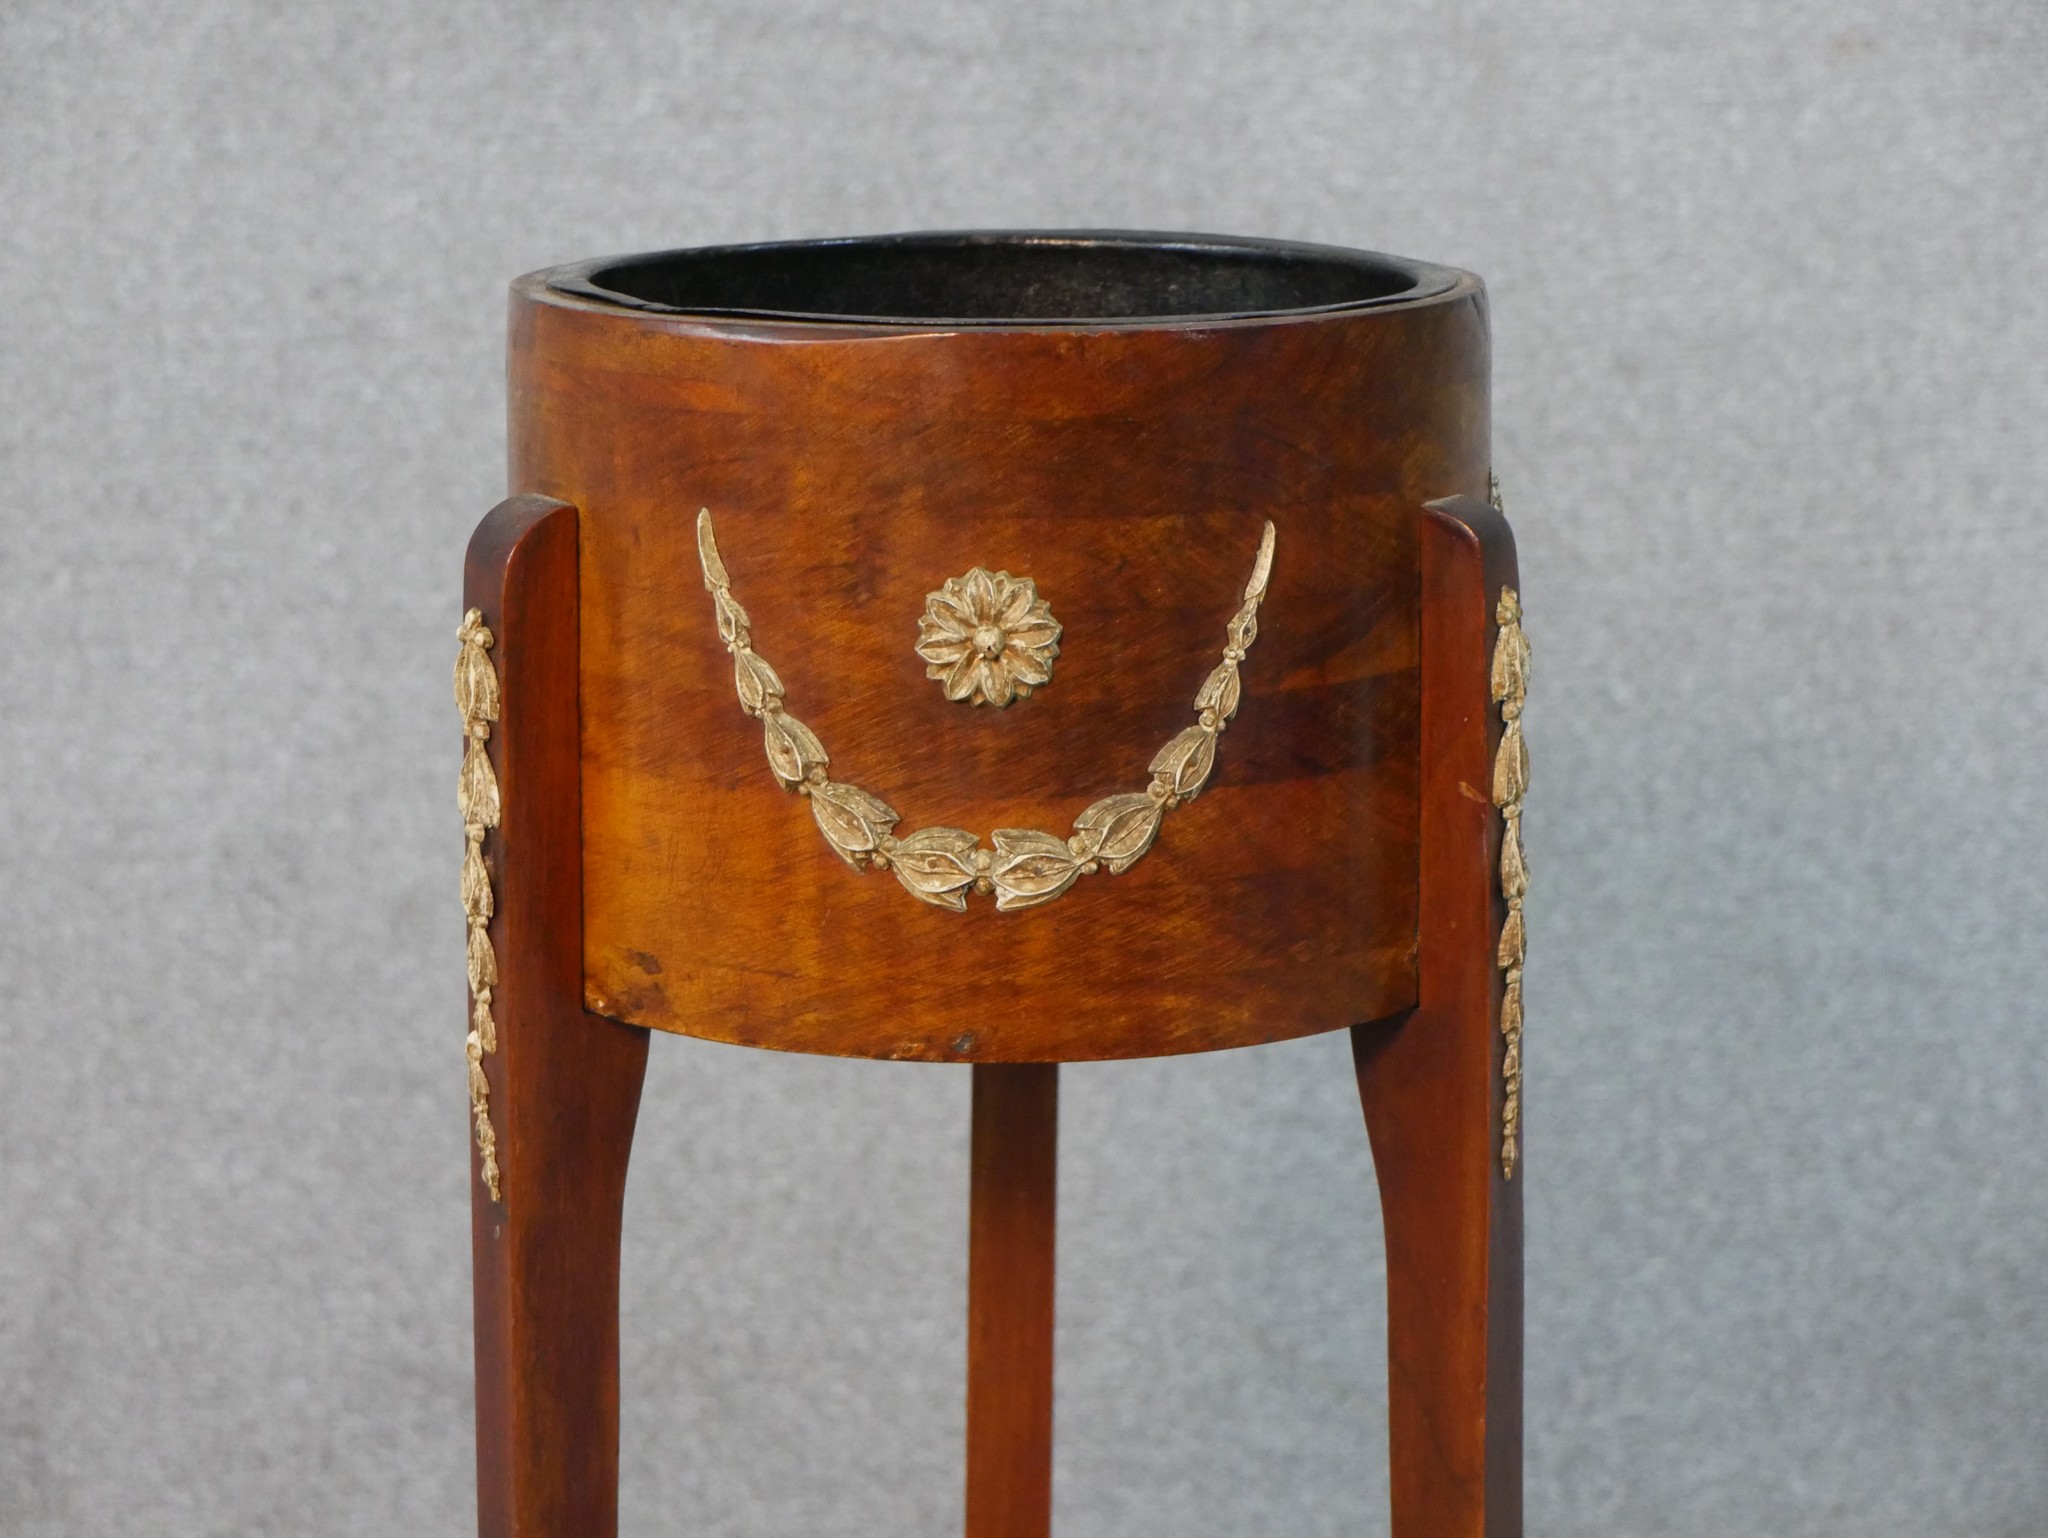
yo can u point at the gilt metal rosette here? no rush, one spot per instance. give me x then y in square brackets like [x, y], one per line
[988, 638]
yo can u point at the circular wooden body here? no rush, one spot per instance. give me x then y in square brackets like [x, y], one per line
[1115, 417]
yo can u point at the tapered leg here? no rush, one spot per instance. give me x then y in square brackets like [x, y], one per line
[1011, 1221]
[554, 1090]
[1432, 1084]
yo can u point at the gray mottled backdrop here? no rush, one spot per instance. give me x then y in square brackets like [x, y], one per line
[1771, 296]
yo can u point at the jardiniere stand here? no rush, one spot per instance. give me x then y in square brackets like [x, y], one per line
[1004, 650]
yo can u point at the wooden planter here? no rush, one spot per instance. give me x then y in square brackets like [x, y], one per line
[1005, 650]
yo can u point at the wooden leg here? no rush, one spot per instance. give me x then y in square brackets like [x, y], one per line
[1010, 1300]
[562, 1087]
[1432, 1087]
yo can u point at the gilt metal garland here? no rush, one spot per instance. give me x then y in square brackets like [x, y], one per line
[941, 866]
[1510, 688]
[476, 794]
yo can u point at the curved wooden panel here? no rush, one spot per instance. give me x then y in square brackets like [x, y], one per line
[1128, 470]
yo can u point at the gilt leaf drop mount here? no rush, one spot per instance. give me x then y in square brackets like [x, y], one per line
[1010, 639]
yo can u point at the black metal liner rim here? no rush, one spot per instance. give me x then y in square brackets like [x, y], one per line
[995, 278]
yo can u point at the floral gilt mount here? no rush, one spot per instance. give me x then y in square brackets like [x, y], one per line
[941, 866]
[988, 637]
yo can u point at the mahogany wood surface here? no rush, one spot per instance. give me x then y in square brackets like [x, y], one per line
[1431, 1087]
[1010, 1246]
[1128, 470]
[564, 1085]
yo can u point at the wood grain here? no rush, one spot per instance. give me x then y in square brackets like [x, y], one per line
[565, 1085]
[1431, 1087]
[1128, 471]
[1010, 1248]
